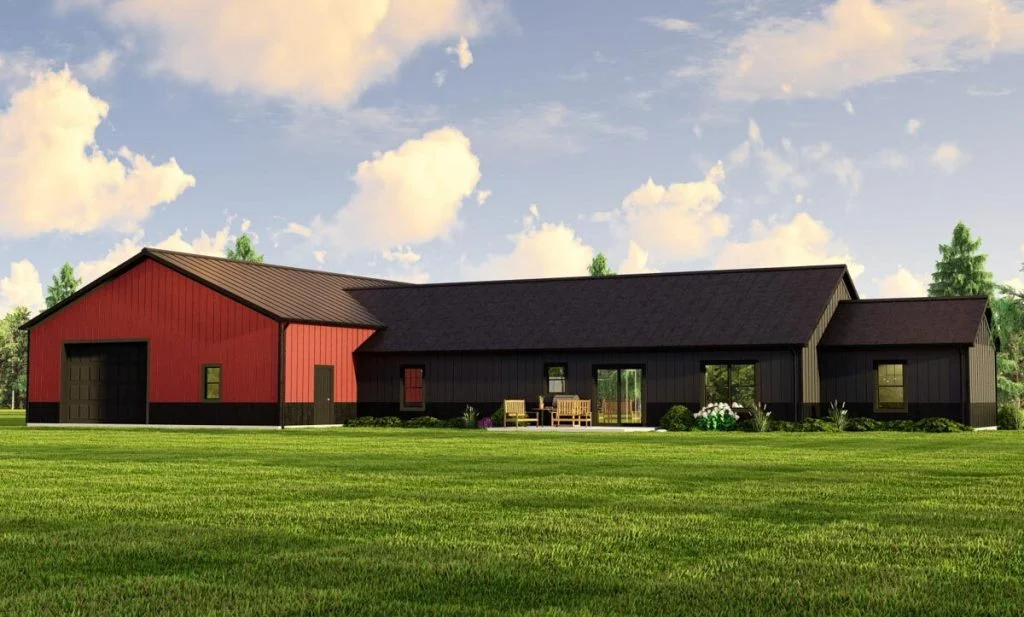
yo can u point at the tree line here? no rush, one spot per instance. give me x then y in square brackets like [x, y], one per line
[14, 342]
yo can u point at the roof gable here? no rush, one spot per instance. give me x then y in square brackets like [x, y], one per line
[725, 308]
[913, 321]
[280, 292]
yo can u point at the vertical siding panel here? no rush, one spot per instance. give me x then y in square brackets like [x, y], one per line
[309, 345]
[186, 325]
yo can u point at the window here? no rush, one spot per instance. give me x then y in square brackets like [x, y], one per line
[556, 374]
[891, 393]
[731, 383]
[211, 382]
[413, 398]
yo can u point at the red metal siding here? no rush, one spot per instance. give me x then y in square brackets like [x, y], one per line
[307, 346]
[186, 324]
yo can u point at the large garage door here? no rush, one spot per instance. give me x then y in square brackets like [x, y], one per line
[104, 382]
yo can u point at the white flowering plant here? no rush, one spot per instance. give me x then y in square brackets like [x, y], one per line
[718, 417]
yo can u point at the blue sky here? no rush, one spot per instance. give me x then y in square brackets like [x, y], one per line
[437, 140]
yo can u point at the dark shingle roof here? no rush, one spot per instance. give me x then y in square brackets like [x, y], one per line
[770, 307]
[916, 321]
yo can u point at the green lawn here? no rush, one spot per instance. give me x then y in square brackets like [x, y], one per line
[12, 417]
[422, 522]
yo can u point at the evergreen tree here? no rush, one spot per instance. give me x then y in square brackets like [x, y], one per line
[243, 250]
[961, 269]
[63, 285]
[13, 356]
[599, 266]
[1008, 327]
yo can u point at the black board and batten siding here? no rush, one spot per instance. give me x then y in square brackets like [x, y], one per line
[811, 375]
[933, 380]
[982, 359]
[484, 380]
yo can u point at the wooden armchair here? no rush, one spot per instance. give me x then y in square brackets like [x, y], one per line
[515, 412]
[572, 412]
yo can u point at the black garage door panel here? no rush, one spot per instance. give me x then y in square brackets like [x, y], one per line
[105, 383]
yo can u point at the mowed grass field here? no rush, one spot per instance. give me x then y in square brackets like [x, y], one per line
[442, 522]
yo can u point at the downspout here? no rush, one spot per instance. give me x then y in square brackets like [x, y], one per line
[282, 332]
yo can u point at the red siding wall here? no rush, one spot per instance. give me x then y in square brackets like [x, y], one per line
[187, 325]
[306, 346]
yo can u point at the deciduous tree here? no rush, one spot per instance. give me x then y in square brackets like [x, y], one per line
[599, 266]
[243, 250]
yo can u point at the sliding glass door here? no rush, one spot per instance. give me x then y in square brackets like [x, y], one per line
[620, 395]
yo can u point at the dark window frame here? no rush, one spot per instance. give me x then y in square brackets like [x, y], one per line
[905, 407]
[403, 406]
[728, 363]
[205, 383]
[547, 377]
[642, 367]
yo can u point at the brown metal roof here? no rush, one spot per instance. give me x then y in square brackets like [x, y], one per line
[915, 321]
[280, 292]
[769, 307]
[289, 294]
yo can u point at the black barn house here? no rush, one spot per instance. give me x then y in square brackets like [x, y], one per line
[321, 347]
[792, 338]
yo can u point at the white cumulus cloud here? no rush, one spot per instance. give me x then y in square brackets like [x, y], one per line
[462, 52]
[671, 24]
[948, 157]
[323, 51]
[913, 126]
[406, 196]
[203, 244]
[636, 261]
[858, 42]
[53, 175]
[803, 241]
[547, 250]
[21, 287]
[99, 66]
[401, 255]
[903, 284]
[675, 222]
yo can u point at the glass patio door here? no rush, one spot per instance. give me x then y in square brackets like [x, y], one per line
[620, 395]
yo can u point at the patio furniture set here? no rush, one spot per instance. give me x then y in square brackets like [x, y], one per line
[565, 410]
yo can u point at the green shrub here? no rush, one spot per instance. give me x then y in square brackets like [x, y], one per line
[1010, 419]
[940, 425]
[498, 417]
[459, 422]
[785, 426]
[901, 426]
[361, 421]
[424, 422]
[677, 418]
[817, 425]
[387, 421]
[862, 425]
